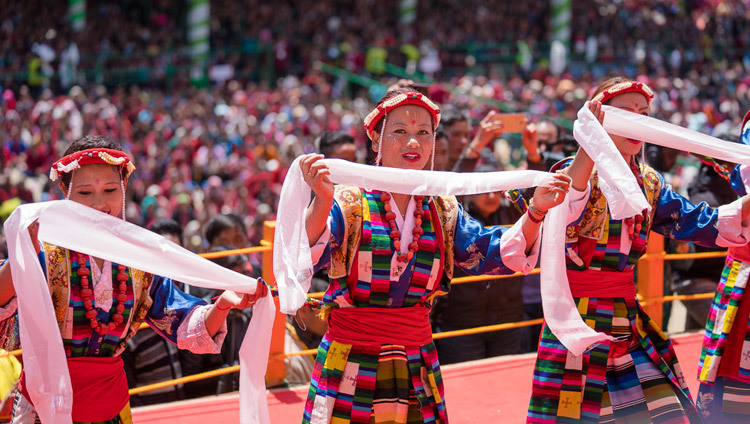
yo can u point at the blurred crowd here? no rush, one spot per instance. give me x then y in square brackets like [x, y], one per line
[211, 162]
[676, 36]
[226, 150]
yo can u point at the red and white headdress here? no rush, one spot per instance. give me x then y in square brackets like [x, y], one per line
[411, 98]
[403, 99]
[625, 87]
[85, 157]
[75, 160]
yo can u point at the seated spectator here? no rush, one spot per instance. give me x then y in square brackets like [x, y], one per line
[169, 229]
[481, 303]
[237, 323]
[442, 147]
[457, 126]
[337, 145]
[226, 230]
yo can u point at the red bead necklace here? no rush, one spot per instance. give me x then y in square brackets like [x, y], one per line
[396, 234]
[87, 293]
[635, 224]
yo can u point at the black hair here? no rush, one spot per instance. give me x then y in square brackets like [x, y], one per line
[238, 222]
[441, 133]
[328, 141]
[167, 226]
[231, 261]
[217, 224]
[90, 142]
[451, 116]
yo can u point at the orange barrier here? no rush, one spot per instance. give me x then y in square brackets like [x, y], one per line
[244, 251]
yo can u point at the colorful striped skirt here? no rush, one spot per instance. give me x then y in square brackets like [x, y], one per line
[375, 384]
[632, 380]
[727, 401]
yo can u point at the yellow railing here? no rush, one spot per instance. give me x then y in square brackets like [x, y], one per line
[650, 269]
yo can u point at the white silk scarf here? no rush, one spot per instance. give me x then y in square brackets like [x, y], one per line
[651, 130]
[74, 226]
[109, 238]
[292, 260]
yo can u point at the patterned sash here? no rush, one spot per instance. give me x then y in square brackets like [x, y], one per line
[364, 258]
[376, 251]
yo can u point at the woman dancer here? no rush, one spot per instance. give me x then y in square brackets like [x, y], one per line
[389, 255]
[637, 377]
[99, 304]
[724, 368]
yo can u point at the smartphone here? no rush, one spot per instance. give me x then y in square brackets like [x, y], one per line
[513, 122]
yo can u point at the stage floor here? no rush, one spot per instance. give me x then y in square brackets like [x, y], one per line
[489, 390]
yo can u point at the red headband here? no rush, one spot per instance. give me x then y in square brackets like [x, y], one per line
[85, 157]
[625, 87]
[403, 99]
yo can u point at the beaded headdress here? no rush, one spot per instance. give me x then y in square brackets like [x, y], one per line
[411, 98]
[75, 160]
[85, 157]
[625, 87]
[403, 99]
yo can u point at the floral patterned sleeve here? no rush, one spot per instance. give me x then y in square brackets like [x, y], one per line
[477, 248]
[180, 318]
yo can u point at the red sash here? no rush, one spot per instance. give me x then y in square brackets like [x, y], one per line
[740, 253]
[378, 326]
[100, 388]
[592, 283]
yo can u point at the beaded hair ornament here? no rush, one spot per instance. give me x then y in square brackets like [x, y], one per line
[403, 99]
[625, 87]
[73, 161]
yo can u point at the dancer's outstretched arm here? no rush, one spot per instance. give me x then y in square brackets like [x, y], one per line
[544, 199]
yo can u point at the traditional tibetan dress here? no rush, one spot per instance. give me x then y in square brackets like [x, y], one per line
[637, 377]
[100, 391]
[377, 362]
[724, 367]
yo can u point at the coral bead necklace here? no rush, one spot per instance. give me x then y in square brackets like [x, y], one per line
[396, 234]
[87, 293]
